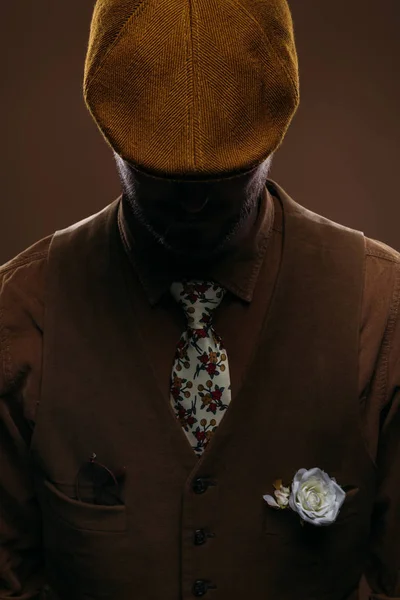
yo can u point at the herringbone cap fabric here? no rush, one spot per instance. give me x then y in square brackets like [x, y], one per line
[192, 89]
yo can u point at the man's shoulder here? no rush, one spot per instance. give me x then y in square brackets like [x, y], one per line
[373, 247]
[378, 249]
[22, 284]
[31, 256]
[22, 291]
[381, 284]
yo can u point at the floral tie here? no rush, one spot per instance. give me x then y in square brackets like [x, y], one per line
[200, 382]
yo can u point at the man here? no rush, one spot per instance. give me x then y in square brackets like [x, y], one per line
[200, 384]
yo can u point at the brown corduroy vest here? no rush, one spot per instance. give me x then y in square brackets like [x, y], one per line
[298, 407]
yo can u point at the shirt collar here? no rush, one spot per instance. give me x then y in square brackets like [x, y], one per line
[237, 271]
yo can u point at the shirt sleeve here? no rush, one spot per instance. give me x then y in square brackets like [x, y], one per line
[21, 555]
[382, 571]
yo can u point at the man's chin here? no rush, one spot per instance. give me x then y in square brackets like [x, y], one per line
[195, 246]
[188, 254]
[191, 252]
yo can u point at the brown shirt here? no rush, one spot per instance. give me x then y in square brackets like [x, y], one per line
[238, 321]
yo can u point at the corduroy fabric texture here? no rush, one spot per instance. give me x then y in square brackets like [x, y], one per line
[192, 89]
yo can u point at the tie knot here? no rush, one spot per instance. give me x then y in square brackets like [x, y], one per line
[198, 299]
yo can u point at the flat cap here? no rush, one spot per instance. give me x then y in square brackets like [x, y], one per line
[192, 89]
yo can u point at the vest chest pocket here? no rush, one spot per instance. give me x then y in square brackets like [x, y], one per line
[312, 547]
[82, 515]
[308, 551]
[86, 545]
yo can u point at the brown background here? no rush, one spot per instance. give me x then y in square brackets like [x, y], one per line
[339, 158]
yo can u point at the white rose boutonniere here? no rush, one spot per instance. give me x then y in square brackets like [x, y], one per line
[314, 495]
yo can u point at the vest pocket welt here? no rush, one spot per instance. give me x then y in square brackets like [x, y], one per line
[86, 546]
[82, 515]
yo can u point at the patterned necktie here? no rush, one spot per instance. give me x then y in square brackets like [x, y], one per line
[200, 382]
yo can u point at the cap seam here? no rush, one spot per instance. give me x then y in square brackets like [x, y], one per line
[278, 58]
[90, 79]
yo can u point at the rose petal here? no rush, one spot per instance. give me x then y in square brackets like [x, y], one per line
[340, 493]
[281, 498]
[271, 501]
[299, 474]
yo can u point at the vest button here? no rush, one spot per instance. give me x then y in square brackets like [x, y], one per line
[199, 485]
[200, 587]
[199, 537]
